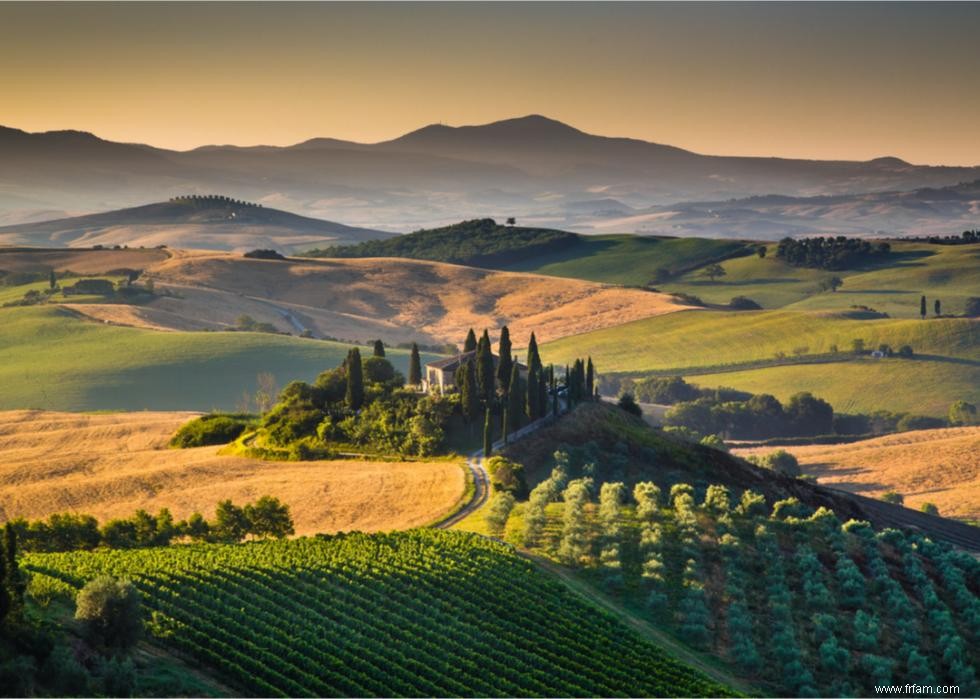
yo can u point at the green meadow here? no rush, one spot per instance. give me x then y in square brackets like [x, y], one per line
[55, 360]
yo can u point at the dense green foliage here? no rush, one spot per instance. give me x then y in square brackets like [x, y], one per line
[70, 531]
[480, 242]
[361, 405]
[791, 597]
[214, 428]
[419, 613]
[836, 253]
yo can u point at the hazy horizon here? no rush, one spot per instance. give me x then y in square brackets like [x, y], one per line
[849, 81]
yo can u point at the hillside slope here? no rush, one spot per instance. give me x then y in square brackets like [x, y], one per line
[419, 613]
[208, 222]
[397, 300]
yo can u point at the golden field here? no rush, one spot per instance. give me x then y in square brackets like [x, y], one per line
[110, 465]
[938, 466]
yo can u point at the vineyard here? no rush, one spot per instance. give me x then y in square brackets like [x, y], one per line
[417, 613]
[794, 600]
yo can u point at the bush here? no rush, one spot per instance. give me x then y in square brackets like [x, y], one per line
[962, 413]
[209, 430]
[628, 403]
[929, 508]
[109, 610]
[780, 461]
[919, 422]
[971, 308]
[894, 498]
[743, 303]
[905, 351]
[507, 476]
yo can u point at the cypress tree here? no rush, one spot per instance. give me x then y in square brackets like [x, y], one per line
[4, 589]
[487, 436]
[484, 369]
[938, 308]
[504, 352]
[533, 410]
[533, 358]
[354, 397]
[379, 348]
[543, 394]
[589, 380]
[415, 367]
[52, 280]
[470, 343]
[922, 307]
[515, 402]
[468, 399]
[504, 426]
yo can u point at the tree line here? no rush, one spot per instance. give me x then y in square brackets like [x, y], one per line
[832, 253]
[266, 517]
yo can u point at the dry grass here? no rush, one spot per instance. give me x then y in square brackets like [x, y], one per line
[397, 300]
[938, 466]
[110, 465]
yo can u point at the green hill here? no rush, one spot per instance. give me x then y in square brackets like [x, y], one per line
[55, 360]
[418, 613]
[718, 338]
[739, 350]
[629, 259]
[479, 243]
[921, 386]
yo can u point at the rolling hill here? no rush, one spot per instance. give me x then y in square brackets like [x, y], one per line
[209, 222]
[530, 167]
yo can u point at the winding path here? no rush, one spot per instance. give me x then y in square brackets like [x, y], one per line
[481, 491]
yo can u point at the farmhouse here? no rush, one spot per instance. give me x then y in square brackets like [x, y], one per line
[440, 375]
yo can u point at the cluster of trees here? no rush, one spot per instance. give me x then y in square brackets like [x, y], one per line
[247, 323]
[211, 199]
[479, 242]
[760, 417]
[264, 254]
[497, 391]
[211, 429]
[266, 517]
[832, 253]
[965, 238]
[361, 404]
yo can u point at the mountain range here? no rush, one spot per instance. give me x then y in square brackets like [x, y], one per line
[534, 168]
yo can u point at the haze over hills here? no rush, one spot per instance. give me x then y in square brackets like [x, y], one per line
[531, 167]
[211, 222]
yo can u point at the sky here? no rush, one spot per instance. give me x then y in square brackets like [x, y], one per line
[831, 81]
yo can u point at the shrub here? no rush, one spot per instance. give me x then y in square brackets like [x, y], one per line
[628, 403]
[109, 610]
[919, 422]
[929, 508]
[894, 498]
[780, 461]
[209, 430]
[971, 309]
[506, 476]
[962, 413]
[905, 351]
[743, 303]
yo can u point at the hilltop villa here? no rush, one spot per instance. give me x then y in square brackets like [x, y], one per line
[440, 375]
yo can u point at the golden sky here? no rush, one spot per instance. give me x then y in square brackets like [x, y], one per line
[844, 80]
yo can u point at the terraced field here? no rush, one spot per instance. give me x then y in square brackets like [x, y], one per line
[418, 613]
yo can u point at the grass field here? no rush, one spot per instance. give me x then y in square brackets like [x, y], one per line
[419, 613]
[919, 386]
[894, 286]
[715, 338]
[937, 466]
[110, 465]
[627, 259]
[54, 360]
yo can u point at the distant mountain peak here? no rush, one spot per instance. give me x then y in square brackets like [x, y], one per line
[531, 127]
